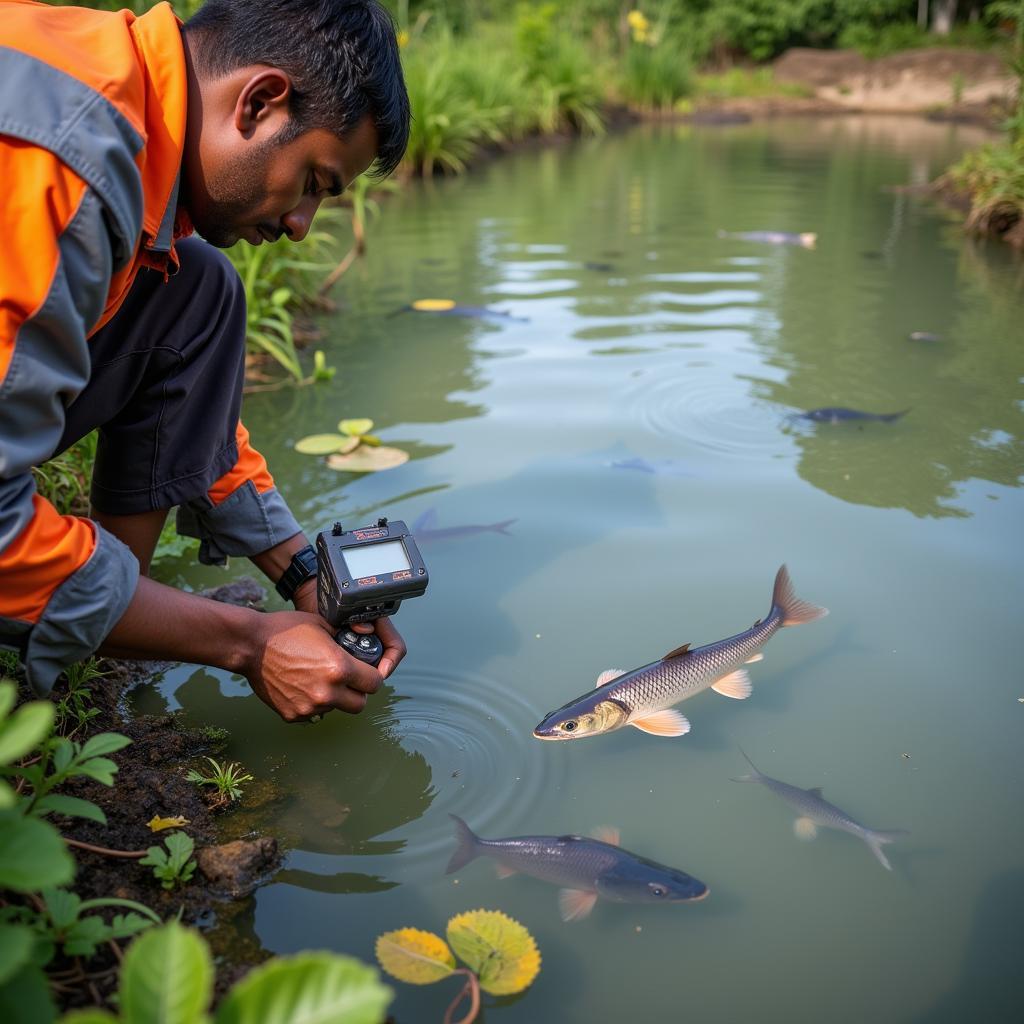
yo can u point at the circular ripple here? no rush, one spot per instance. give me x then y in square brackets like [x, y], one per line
[705, 401]
[477, 736]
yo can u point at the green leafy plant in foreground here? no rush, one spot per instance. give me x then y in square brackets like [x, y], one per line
[167, 976]
[75, 709]
[173, 866]
[226, 779]
[500, 954]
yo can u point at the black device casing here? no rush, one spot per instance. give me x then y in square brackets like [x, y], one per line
[341, 599]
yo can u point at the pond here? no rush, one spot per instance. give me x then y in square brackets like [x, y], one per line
[623, 452]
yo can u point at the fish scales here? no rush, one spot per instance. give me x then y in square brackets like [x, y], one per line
[562, 860]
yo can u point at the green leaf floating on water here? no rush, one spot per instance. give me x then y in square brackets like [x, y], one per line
[355, 428]
[498, 948]
[322, 444]
[316, 988]
[368, 459]
[415, 956]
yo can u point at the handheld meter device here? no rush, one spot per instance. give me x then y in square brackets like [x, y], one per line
[363, 574]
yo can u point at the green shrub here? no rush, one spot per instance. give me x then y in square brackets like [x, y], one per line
[656, 77]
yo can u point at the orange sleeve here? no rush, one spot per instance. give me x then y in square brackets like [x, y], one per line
[250, 466]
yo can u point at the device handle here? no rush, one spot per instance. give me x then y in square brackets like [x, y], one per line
[366, 647]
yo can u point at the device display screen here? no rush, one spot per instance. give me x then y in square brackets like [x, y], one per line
[376, 559]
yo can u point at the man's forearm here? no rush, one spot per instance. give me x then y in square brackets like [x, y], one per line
[162, 622]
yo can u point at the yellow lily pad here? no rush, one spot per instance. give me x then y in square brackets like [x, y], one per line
[433, 305]
[498, 948]
[415, 956]
[158, 824]
[354, 428]
[320, 444]
[368, 460]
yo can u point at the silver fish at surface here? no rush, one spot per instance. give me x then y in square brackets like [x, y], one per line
[644, 697]
[584, 868]
[814, 810]
[839, 414]
[805, 239]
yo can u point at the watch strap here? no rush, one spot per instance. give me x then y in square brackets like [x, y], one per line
[301, 568]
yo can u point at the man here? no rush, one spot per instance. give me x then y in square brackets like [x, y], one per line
[118, 136]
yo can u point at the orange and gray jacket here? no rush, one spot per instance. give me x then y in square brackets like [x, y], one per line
[92, 127]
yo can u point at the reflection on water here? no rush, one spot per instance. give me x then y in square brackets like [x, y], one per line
[635, 423]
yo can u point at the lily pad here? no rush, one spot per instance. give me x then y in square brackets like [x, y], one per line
[321, 444]
[368, 459]
[415, 956]
[433, 305]
[498, 948]
[355, 428]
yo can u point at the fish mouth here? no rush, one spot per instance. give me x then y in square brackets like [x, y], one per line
[703, 896]
[547, 735]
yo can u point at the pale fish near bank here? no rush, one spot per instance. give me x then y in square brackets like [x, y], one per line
[584, 868]
[814, 811]
[644, 697]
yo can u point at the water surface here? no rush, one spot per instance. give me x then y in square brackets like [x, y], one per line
[638, 429]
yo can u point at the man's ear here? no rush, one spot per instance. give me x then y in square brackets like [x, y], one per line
[263, 100]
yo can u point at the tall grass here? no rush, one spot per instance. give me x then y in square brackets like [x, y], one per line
[656, 77]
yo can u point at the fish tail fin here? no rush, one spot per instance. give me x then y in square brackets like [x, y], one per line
[890, 417]
[876, 838]
[756, 776]
[794, 611]
[468, 845]
[502, 527]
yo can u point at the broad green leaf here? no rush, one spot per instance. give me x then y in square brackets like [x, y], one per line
[8, 695]
[415, 956]
[25, 729]
[280, 296]
[88, 1017]
[85, 935]
[368, 460]
[166, 978]
[26, 999]
[8, 798]
[310, 988]
[32, 854]
[62, 905]
[16, 941]
[498, 948]
[102, 769]
[103, 743]
[56, 803]
[321, 444]
[63, 752]
[355, 428]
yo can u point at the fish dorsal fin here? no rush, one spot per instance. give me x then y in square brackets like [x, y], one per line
[570, 839]
[757, 657]
[805, 828]
[606, 834]
[663, 723]
[575, 904]
[425, 520]
[608, 675]
[736, 685]
[504, 871]
[816, 791]
[677, 653]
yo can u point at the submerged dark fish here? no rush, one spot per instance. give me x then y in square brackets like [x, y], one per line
[814, 810]
[806, 239]
[584, 868]
[663, 467]
[424, 530]
[600, 268]
[837, 414]
[644, 697]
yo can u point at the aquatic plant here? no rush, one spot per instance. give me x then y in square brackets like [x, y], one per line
[74, 708]
[173, 866]
[226, 779]
[353, 449]
[501, 957]
[167, 975]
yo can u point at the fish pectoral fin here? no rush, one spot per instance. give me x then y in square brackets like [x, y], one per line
[805, 828]
[736, 685]
[608, 675]
[663, 723]
[757, 657]
[606, 834]
[817, 792]
[505, 872]
[678, 652]
[575, 904]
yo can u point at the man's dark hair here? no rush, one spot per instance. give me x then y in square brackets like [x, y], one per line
[341, 55]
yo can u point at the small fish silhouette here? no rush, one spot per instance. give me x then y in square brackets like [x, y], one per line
[425, 530]
[838, 414]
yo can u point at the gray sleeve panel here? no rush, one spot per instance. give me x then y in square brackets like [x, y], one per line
[81, 612]
[48, 107]
[244, 523]
[50, 363]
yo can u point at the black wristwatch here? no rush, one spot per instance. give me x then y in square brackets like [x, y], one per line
[301, 568]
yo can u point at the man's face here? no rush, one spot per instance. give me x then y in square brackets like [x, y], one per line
[258, 189]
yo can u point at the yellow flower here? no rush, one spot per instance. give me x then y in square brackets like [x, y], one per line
[403, 38]
[636, 20]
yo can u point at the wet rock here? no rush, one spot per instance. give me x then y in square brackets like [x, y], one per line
[244, 592]
[235, 869]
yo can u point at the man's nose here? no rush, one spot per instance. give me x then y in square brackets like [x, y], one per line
[298, 222]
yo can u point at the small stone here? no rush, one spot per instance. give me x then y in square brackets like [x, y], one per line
[235, 869]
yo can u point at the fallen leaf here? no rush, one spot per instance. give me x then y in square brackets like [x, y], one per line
[368, 460]
[499, 949]
[415, 956]
[158, 824]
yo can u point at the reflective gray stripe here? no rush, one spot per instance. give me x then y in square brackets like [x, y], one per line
[165, 234]
[50, 363]
[46, 106]
[80, 614]
[244, 523]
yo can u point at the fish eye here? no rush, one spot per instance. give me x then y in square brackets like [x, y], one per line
[657, 890]
[569, 726]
